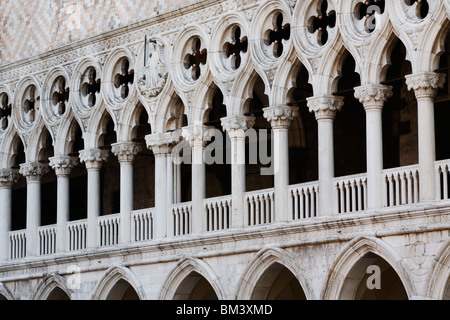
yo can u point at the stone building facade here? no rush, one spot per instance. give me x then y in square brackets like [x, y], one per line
[228, 149]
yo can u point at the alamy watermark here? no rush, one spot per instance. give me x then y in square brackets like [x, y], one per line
[260, 150]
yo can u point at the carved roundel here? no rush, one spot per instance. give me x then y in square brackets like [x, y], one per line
[87, 86]
[56, 94]
[365, 18]
[412, 12]
[5, 111]
[273, 29]
[318, 25]
[230, 50]
[27, 104]
[119, 77]
[151, 67]
[190, 58]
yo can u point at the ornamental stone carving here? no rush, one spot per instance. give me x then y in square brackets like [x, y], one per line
[198, 135]
[63, 165]
[162, 143]
[426, 84]
[326, 106]
[93, 158]
[34, 171]
[280, 117]
[373, 96]
[8, 177]
[238, 125]
[153, 76]
[126, 151]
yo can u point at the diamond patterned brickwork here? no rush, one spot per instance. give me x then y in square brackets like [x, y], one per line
[29, 27]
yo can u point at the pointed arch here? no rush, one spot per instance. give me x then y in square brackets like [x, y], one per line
[183, 269]
[112, 277]
[438, 278]
[349, 257]
[285, 80]
[97, 126]
[263, 260]
[5, 293]
[49, 285]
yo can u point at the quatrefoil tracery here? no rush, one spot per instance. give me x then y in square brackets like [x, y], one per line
[367, 11]
[233, 50]
[422, 7]
[29, 104]
[90, 87]
[60, 96]
[124, 79]
[322, 22]
[5, 111]
[194, 60]
[280, 32]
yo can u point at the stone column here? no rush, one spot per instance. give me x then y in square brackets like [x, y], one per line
[8, 177]
[62, 166]
[161, 145]
[325, 108]
[33, 172]
[198, 136]
[237, 127]
[126, 152]
[93, 159]
[373, 97]
[425, 86]
[280, 118]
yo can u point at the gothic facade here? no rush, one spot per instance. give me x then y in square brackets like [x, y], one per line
[229, 149]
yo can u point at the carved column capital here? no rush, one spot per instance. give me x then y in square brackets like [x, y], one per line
[126, 151]
[373, 96]
[280, 117]
[426, 84]
[162, 143]
[326, 106]
[63, 165]
[8, 177]
[198, 135]
[34, 171]
[93, 158]
[237, 126]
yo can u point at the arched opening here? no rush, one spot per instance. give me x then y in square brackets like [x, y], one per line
[218, 168]
[442, 112]
[182, 169]
[447, 290]
[303, 139]
[110, 172]
[49, 184]
[19, 189]
[78, 178]
[195, 287]
[3, 298]
[122, 290]
[373, 278]
[144, 166]
[400, 126]
[350, 124]
[278, 283]
[259, 150]
[58, 294]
